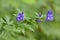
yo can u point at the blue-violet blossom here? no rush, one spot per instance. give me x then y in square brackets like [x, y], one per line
[20, 17]
[49, 16]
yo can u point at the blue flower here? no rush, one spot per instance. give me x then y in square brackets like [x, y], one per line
[49, 16]
[39, 14]
[37, 20]
[20, 17]
[38, 17]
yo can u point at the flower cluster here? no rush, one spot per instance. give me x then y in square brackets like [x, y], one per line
[39, 14]
[49, 16]
[38, 19]
[20, 17]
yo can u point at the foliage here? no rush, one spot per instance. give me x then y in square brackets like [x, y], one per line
[29, 29]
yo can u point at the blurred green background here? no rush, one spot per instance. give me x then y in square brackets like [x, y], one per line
[10, 29]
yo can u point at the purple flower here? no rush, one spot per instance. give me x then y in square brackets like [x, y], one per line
[20, 17]
[37, 20]
[49, 16]
[39, 14]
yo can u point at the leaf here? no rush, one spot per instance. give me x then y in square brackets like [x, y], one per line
[29, 27]
[7, 36]
[23, 31]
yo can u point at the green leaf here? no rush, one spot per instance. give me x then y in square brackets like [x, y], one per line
[29, 27]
